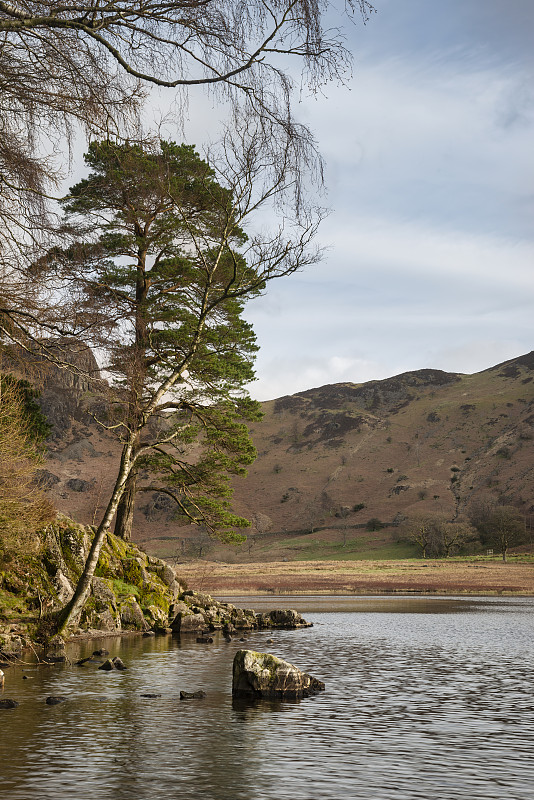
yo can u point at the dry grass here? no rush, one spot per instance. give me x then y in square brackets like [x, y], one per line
[473, 576]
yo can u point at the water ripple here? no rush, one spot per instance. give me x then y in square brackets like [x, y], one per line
[432, 700]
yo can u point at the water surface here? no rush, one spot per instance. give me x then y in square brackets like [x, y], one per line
[425, 698]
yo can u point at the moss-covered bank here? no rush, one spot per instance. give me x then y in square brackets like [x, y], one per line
[130, 591]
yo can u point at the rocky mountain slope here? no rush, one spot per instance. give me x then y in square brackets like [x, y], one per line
[337, 456]
[329, 459]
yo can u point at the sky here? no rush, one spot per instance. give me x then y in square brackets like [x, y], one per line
[430, 237]
[429, 243]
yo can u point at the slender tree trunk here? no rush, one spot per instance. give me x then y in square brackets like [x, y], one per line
[71, 613]
[125, 509]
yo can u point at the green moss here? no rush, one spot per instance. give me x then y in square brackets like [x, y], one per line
[122, 589]
[132, 571]
[155, 596]
[11, 605]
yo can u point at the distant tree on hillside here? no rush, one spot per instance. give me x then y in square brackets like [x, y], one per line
[422, 530]
[501, 526]
[452, 536]
[435, 534]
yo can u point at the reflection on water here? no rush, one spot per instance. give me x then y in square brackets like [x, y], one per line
[425, 698]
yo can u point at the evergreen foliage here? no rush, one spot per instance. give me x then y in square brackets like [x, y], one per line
[155, 263]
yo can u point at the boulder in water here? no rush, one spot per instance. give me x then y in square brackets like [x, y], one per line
[265, 675]
[282, 618]
[188, 623]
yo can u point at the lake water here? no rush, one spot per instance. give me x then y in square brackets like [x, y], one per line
[425, 698]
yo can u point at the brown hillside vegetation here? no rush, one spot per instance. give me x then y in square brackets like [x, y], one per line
[329, 460]
[425, 441]
[362, 577]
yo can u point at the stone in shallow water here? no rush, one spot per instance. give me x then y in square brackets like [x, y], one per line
[7, 702]
[192, 695]
[265, 675]
[55, 701]
[188, 623]
[282, 618]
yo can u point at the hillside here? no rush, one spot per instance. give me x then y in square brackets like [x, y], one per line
[329, 459]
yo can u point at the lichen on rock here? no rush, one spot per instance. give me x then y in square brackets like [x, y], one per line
[264, 675]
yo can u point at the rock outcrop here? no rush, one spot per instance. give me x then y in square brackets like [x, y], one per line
[195, 612]
[130, 591]
[265, 675]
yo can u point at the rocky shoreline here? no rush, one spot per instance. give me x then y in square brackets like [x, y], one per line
[131, 592]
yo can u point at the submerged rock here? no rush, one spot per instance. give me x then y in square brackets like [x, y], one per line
[265, 675]
[192, 695]
[55, 701]
[113, 663]
[7, 702]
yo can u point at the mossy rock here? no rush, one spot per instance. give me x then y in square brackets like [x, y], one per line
[133, 572]
[132, 615]
[155, 595]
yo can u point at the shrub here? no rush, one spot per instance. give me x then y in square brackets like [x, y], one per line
[374, 524]
[503, 452]
[23, 507]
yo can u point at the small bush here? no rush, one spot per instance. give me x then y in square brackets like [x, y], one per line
[503, 452]
[358, 506]
[374, 524]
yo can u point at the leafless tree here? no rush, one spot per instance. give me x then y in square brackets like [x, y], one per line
[502, 526]
[422, 529]
[90, 64]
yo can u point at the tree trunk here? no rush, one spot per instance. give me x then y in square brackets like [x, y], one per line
[125, 509]
[70, 615]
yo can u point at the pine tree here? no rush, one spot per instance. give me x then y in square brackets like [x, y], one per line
[160, 262]
[153, 257]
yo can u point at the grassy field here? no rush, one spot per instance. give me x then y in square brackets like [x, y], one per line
[478, 575]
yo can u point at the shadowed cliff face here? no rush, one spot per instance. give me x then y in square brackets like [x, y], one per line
[329, 458]
[390, 394]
